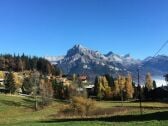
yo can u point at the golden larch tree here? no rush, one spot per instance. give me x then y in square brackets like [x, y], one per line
[128, 86]
[148, 82]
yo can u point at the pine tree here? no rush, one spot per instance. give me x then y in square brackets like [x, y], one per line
[10, 83]
[149, 82]
[27, 86]
[110, 80]
[19, 64]
[154, 84]
[96, 86]
[2, 62]
[166, 78]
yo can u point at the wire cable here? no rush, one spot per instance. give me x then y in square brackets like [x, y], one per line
[164, 44]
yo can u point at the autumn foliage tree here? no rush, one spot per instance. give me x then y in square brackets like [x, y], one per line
[129, 87]
[116, 89]
[18, 80]
[102, 88]
[120, 88]
[123, 87]
[46, 91]
[149, 85]
[79, 106]
[2, 75]
[148, 82]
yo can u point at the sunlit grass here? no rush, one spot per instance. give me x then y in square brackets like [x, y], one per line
[18, 111]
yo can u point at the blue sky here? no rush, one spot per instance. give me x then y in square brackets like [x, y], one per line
[51, 27]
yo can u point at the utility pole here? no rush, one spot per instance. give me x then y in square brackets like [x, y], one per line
[140, 98]
[122, 99]
[139, 87]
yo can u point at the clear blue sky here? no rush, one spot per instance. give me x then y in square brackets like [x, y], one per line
[51, 27]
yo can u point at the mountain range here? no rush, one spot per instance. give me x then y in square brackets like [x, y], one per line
[82, 60]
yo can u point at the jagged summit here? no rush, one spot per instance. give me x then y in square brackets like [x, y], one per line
[109, 54]
[127, 56]
[86, 55]
[76, 49]
[78, 46]
[80, 59]
[80, 50]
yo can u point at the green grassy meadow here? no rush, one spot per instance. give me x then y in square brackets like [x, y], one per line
[18, 111]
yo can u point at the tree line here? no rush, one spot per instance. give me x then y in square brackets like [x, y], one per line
[122, 87]
[21, 63]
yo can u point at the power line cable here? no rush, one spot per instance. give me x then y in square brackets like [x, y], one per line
[160, 49]
[164, 44]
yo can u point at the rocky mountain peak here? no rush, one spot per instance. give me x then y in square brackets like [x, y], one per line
[109, 54]
[76, 49]
[127, 56]
[78, 46]
[80, 59]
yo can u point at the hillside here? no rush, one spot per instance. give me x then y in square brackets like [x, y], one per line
[22, 63]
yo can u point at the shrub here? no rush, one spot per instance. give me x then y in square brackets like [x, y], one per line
[79, 106]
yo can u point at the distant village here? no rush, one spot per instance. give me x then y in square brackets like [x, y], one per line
[66, 80]
[82, 82]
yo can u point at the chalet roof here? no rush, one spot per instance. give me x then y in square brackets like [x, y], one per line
[83, 77]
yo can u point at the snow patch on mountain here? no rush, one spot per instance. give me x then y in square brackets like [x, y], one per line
[125, 60]
[54, 59]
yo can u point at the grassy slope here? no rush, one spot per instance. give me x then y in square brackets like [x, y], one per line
[18, 111]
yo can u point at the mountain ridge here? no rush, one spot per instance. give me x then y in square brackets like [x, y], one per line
[82, 60]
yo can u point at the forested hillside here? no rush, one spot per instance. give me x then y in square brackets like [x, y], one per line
[21, 63]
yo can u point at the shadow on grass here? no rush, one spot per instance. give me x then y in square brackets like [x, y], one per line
[124, 118]
[144, 107]
[10, 103]
[25, 103]
[29, 103]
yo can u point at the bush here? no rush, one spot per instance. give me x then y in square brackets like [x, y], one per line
[79, 106]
